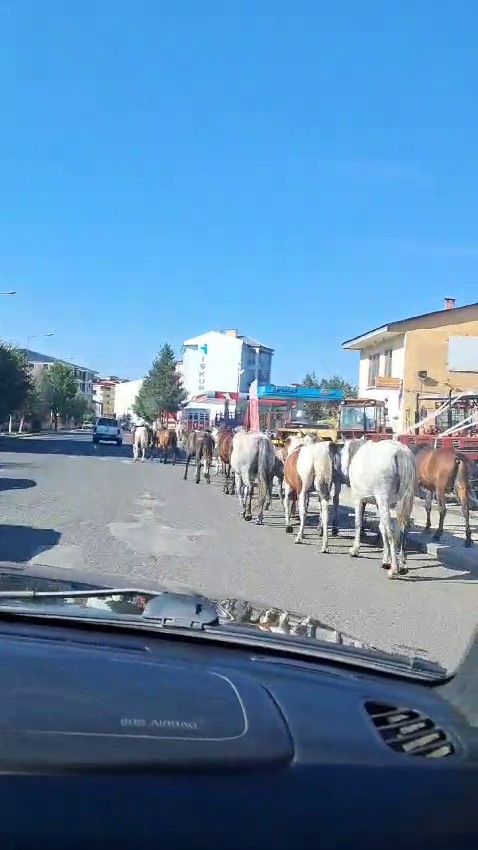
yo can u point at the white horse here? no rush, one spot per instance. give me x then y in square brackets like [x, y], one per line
[278, 472]
[308, 465]
[215, 457]
[140, 442]
[383, 473]
[252, 460]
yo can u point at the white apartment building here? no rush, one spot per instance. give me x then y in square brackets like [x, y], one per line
[224, 361]
[125, 397]
[40, 362]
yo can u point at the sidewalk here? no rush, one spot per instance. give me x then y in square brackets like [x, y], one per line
[450, 550]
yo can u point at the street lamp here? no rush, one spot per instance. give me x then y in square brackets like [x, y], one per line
[36, 336]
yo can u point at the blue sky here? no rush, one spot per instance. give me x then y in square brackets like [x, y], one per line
[302, 171]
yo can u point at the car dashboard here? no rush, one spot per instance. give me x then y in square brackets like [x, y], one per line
[120, 739]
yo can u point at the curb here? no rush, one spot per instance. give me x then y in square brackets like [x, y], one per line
[447, 553]
[16, 436]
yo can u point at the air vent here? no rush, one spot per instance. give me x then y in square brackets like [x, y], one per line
[408, 731]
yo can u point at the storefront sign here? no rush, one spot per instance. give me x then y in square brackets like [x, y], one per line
[295, 392]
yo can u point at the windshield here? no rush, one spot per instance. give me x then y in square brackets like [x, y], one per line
[220, 221]
[358, 418]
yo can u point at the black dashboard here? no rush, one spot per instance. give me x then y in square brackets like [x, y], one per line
[118, 739]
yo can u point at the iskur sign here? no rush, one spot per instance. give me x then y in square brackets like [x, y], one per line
[304, 393]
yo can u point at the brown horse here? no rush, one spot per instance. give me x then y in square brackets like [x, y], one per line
[167, 440]
[224, 449]
[200, 445]
[442, 471]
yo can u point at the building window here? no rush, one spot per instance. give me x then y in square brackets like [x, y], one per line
[373, 369]
[388, 363]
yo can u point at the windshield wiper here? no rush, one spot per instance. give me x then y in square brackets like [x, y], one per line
[164, 608]
[81, 594]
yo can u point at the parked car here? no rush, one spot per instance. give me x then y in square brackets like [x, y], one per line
[107, 430]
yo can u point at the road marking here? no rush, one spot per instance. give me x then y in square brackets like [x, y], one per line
[149, 537]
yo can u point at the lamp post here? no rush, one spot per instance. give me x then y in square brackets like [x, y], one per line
[35, 336]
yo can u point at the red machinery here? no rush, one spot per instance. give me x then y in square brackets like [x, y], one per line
[360, 417]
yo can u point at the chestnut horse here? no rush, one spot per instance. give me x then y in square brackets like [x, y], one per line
[167, 440]
[442, 471]
[224, 450]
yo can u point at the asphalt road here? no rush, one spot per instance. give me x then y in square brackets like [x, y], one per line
[68, 505]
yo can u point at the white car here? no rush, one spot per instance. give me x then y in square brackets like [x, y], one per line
[107, 430]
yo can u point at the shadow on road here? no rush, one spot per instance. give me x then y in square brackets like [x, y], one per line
[14, 465]
[65, 445]
[16, 483]
[19, 543]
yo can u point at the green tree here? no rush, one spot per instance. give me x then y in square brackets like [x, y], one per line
[322, 410]
[162, 391]
[144, 405]
[127, 421]
[33, 407]
[314, 410]
[78, 408]
[58, 388]
[15, 380]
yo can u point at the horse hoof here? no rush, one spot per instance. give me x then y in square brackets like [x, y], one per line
[298, 540]
[289, 529]
[259, 521]
[335, 531]
[325, 551]
[392, 574]
[468, 543]
[436, 536]
[353, 552]
[247, 517]
[386, 565]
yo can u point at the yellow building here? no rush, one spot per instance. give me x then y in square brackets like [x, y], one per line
[411, 363]
[104, 392]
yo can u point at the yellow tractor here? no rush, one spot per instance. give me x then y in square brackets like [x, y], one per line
[325, 429]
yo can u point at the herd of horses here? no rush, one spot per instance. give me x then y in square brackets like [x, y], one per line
[387, 474]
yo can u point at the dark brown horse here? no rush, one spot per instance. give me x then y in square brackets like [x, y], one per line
[224, 448]
[200, 445]
[167, 441]
[443, 471]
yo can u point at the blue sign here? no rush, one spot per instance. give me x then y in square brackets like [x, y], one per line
[305, 393]
[204, 348]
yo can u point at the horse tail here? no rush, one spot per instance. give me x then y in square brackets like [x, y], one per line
[460, 479]
[208, 447]
[322, 454]
[406, 472]
[264, 472]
